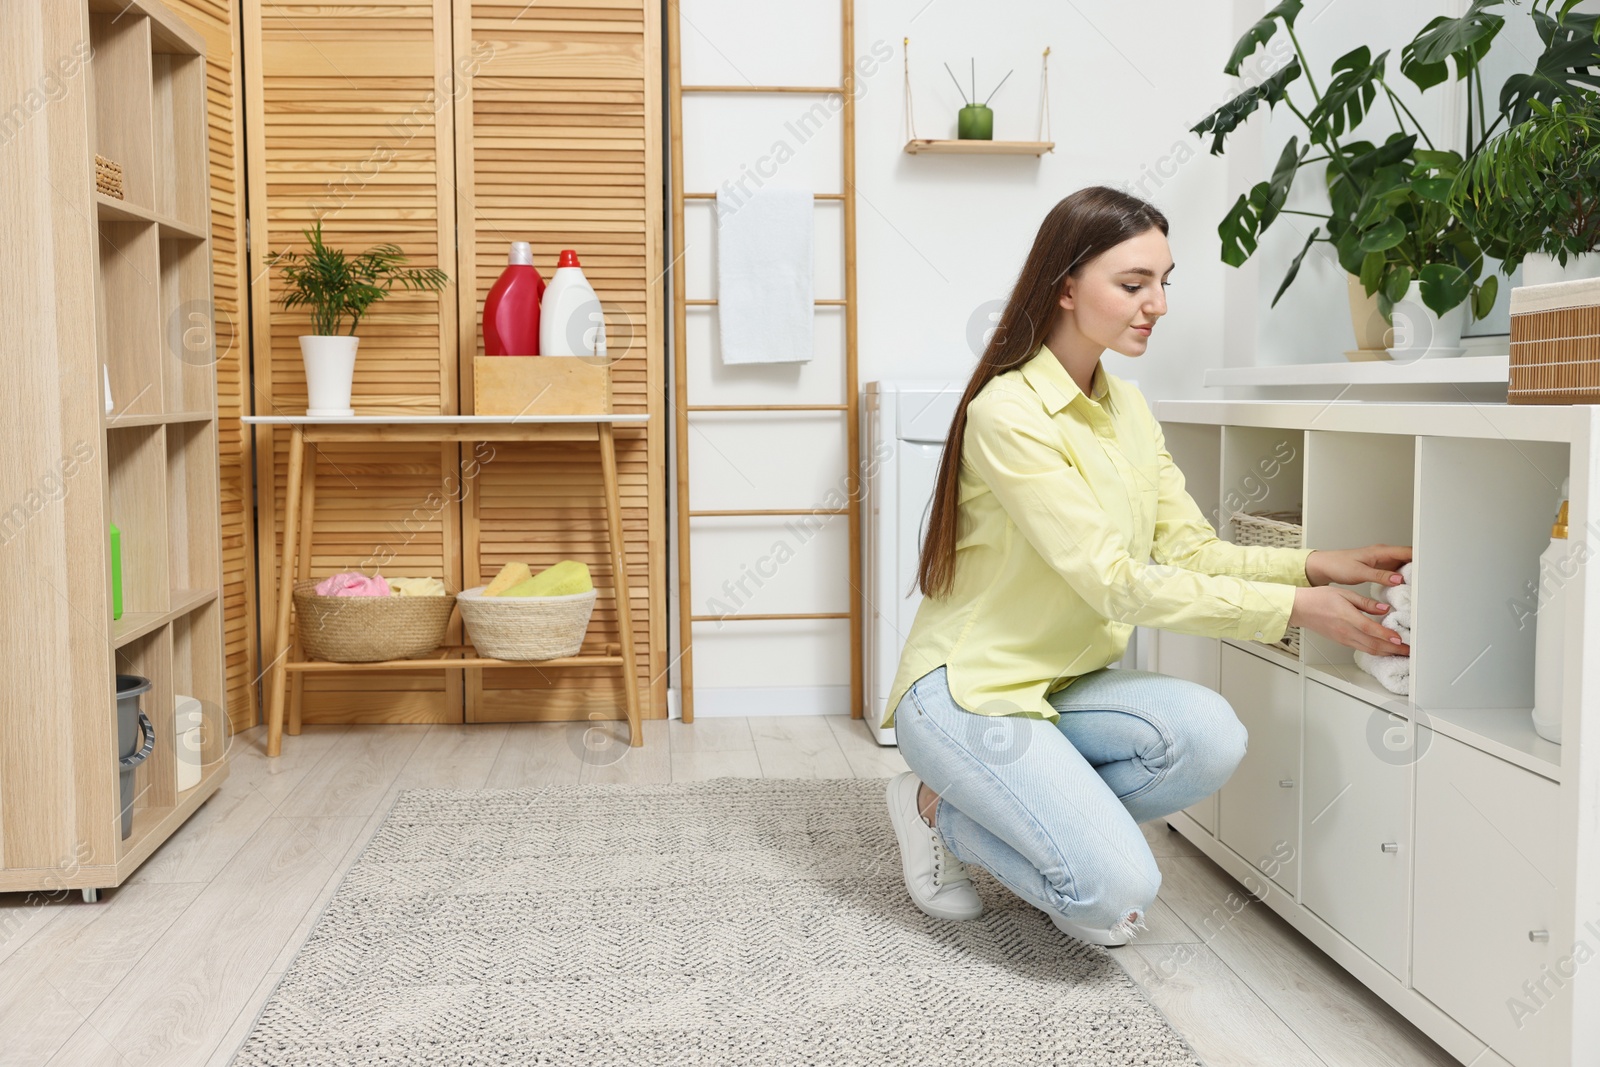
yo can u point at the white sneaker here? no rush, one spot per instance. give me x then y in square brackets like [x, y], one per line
[937, 881]
[1111, 938]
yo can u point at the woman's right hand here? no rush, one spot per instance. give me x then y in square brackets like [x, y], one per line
[1343, 615]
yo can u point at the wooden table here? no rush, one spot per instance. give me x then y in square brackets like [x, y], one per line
[299, 498]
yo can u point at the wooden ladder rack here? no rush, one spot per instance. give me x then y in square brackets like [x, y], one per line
[681, 405]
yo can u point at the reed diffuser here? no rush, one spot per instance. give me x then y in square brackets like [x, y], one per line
[974, 122]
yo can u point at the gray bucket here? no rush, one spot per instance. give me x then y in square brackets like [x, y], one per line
[130, 753]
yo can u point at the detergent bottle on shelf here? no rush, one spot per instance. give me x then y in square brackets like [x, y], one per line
[571, 322]
[511, 312]
[1557, 573]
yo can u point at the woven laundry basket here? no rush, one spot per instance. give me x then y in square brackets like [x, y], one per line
[108, 176]
[1272, 529]
[526, 627]
[369, 629]
[1555, 343]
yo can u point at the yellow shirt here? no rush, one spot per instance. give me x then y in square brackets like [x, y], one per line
[1063, 501]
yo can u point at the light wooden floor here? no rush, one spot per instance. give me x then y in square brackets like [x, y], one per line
[171, 968]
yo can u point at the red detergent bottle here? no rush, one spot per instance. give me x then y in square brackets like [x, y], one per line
[511, 312]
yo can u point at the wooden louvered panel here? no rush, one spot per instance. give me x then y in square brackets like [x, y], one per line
[217, 22]
[347, 124]
[558, 143]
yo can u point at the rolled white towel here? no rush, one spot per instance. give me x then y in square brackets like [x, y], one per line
[1392, 672]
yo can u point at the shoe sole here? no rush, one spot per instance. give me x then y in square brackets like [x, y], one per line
[895, 818]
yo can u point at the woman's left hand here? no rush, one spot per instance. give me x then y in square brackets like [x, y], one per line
[1352, 566]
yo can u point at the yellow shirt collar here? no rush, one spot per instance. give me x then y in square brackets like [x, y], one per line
[1047, 377]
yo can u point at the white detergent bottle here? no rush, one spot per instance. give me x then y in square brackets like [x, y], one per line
[570, 318]
[1557, 575]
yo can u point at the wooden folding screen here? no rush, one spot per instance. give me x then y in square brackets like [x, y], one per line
[452, 130]
[217, 21]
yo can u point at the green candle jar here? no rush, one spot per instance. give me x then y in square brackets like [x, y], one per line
[975, 122]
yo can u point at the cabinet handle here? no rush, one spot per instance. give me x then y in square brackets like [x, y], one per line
[1287, 783]
[1538, 935]
[1390, 846]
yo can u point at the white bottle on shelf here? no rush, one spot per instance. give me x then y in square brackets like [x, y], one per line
[570, 319]
[1556, 576]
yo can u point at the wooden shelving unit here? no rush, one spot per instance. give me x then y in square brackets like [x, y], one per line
[125, 292]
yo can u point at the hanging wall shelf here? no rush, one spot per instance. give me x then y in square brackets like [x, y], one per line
[973, 147]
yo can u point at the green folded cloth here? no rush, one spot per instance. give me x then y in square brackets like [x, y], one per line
[559, 579]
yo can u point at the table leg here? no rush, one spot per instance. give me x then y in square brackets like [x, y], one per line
[619, 568]
[308, 506]
[286, 569]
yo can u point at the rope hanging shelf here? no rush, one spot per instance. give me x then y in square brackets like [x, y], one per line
[970, 147]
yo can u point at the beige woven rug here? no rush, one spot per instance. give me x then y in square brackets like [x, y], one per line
[730, 921]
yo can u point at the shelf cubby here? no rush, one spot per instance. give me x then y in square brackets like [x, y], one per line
[153, 781]
[178, 133]
[191, 501]
[136, 465]
[188, 346]
[1263, 469]
[1197, 452]
[1484, 511]
[122, 121]
[197, 672]
[1360, 490]
[127, 316]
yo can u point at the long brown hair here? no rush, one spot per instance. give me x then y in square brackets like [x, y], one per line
[1076, 230]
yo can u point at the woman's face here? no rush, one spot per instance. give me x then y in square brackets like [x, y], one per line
[1121, 290]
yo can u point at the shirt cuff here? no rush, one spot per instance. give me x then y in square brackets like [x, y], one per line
[1270, 622]
[1295, 566]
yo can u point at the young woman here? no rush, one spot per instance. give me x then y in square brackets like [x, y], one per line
[1028, 755]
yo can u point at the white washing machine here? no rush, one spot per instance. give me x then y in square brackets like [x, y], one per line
[903, 429]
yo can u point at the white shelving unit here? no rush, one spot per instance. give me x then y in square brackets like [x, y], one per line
[1431, 843]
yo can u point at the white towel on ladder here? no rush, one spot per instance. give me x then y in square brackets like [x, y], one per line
[765, 295]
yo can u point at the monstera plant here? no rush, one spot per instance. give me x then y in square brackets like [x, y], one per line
[1392, 220]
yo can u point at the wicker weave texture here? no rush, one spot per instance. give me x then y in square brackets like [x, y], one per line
[526, 627]
[368, 629]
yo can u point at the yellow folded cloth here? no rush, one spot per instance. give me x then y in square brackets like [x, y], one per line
[416, 587]
[559, 579]
[509, 575]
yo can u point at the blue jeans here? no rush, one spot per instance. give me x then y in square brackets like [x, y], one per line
[1052, 810]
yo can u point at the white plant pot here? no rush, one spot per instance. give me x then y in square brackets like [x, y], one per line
[1541, 268]
[1421, 334]
[330, 363]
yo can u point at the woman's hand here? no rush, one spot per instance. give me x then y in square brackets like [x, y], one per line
[1337, 614]
[1352, 566]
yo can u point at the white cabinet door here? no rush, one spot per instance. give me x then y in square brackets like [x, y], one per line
[1356, 833]
[1194, 659]
[1260, 805]
[1484, 943]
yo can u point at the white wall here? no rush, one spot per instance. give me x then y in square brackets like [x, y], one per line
[940, 240]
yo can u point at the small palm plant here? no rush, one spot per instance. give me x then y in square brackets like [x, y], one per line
[335, 286]
[1536, 187]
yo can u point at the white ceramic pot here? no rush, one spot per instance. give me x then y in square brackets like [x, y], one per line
[1541, 268]
[1421, 334]
[330, 363]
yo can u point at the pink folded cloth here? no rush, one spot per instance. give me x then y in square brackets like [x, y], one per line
[353, 583]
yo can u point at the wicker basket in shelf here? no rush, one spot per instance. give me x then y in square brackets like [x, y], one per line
[526, 627]
[1555, 343]
[108, 176]
[1272, 529]
[368, 629]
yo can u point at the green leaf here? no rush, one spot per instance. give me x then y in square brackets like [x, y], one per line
[1372, 270]
[1261, 33]
[1433, 190]
[1238, 232]
[1567, 69]
[1231, 115]
[1399, 280]
[1349, 95]
[1483, 297]
[1444, 286]
[1294, 267]
[1464, 40]
[1384, 236]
